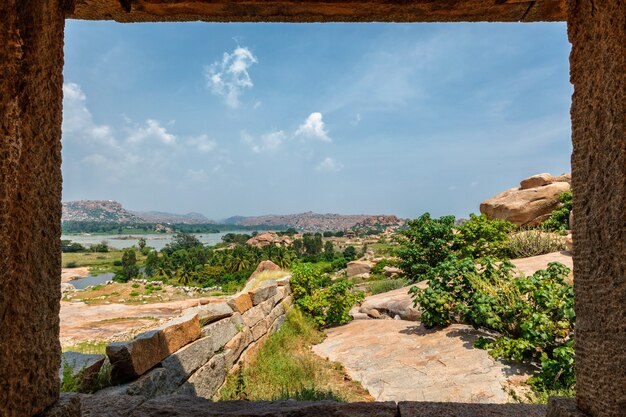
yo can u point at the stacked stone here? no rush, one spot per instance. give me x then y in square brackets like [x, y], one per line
[193, 354]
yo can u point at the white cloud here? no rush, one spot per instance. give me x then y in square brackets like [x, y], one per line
[314, 128]
[329, 165]
[199, 175]
[229, 78]
[269, 142]
[151, 130]
[202, 143]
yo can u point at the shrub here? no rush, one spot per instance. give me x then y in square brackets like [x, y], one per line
[134, 293]
[534, 242]
[534, 316]
[480, 237]
[71, 264]
[328, 302]
[378, 287]
[425, 244]
[559, 219]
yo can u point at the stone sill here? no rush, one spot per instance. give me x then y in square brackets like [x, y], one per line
[81, 405]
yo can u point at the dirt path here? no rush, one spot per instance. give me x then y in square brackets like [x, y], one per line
[82, 322]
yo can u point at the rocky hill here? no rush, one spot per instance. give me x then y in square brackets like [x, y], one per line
[162, 217]
[310, 221]
[105, 211]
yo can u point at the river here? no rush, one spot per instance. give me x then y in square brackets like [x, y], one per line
[155, 240]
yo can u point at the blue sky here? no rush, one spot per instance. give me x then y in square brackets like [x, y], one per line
[250, 119]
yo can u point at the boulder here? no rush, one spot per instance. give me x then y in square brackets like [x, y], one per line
[241, 302]
[359, 267]
[391, 271]
[527, 206]
[391, 304]
[569, 243]
[265, 266]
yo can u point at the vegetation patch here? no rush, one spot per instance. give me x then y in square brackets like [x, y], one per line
[286, 368]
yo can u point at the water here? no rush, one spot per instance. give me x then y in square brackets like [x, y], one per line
[157, 241]
[91, 280]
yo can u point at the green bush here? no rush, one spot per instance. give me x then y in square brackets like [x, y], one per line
[71, 264]
[534, 242]
[480, 237]
[559, 219]
[534, 315]
[425, 244]
[328, 302]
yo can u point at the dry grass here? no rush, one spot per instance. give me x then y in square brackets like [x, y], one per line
[285, 367]
[534, 242]
[261, 277]
[120, 293]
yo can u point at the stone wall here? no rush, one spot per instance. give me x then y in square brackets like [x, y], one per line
[31, 64]
[193, 354]
[597, 31]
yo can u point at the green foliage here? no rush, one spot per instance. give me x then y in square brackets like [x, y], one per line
[425, 244]
[134, 293]
[280, 370]
[182, 241]
[385, 285]
[480, 237]
[67, 246]
[533, 315]
[69, 381]
[349, 253]
[101, 247]
[71, 264]
[534, 242]
[308, 394]
[129, 267]
[559, 219]
[327, 302]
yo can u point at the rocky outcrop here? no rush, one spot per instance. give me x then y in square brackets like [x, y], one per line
[396, 304]
[529, 204]
[359, 267]
[268, 239]
[266, 265]
[193, 354]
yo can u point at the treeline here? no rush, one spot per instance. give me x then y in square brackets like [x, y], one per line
[186, 261]
[122, 228]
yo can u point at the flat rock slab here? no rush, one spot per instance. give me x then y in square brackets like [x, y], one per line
[397, 360]
[392, 303]
[529, 266]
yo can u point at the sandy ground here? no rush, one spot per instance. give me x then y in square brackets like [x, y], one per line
[82, 322]
[69, 274]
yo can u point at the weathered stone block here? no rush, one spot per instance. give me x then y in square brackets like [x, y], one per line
[266, 291]
[68, 405]
[283, 281]
[133, 358]
[434, 409]
[258, 313]
[198, 407]
[180, 331]
[241, 303]
[220, 332]
[236, 346]
[209, 313]
[206, 380]
[563, 407]
[108, 405]
[260, 328]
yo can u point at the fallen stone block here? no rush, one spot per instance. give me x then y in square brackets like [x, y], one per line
[134, 358]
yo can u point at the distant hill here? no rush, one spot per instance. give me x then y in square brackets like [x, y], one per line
[162, 217]
[109, 211]
[104, 211]
[310, 221]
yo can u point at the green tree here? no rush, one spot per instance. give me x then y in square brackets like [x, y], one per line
[142, 243]
[349, 253]
[152, 263]
[329, 251]
[425, 244]
[129, 266]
